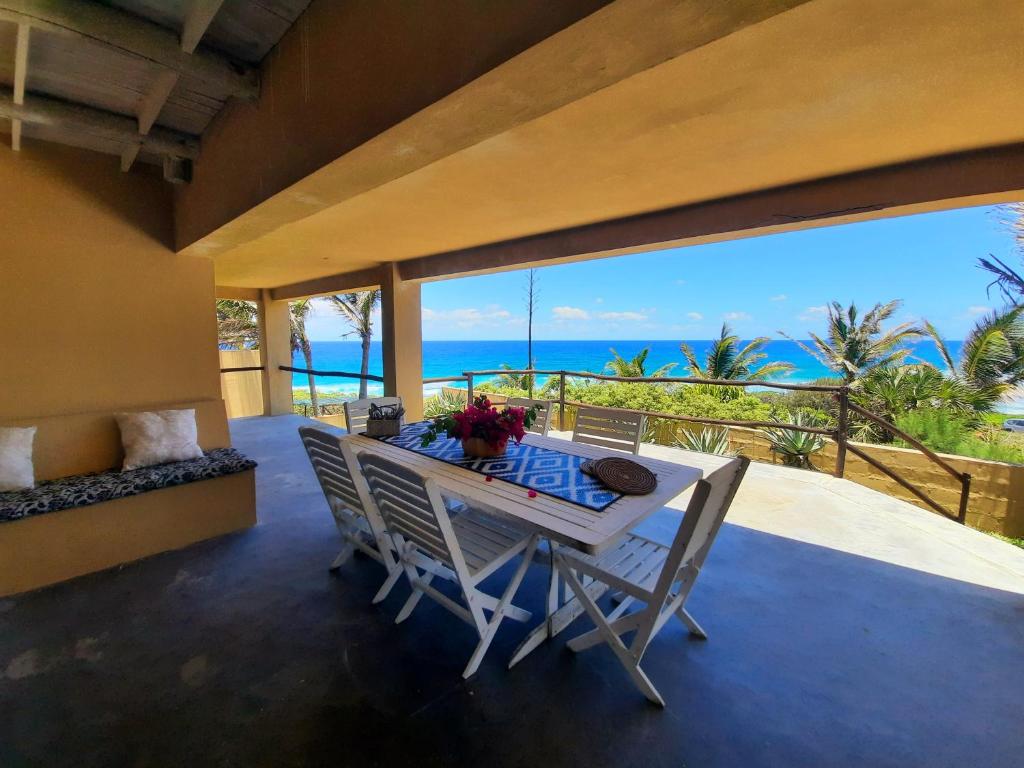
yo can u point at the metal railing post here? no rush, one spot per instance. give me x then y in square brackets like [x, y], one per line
[843, 430]
[561, 401]
[965, 494]
[469, 387]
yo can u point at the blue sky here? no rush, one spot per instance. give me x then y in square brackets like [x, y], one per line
[759, 285]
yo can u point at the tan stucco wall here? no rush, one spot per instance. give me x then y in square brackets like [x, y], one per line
[97, 312]
[242, 390]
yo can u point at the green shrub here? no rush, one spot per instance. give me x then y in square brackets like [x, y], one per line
[947, 432]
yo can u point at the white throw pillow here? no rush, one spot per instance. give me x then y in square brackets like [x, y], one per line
[16, 472]
[157, 437]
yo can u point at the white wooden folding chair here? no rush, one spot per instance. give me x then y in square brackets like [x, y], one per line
[358, 411]
[542, 423]
[609, 428]
[355, 513]
[660, 577]
[465, 549]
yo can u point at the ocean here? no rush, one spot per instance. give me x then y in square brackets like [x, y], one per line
[451, 358]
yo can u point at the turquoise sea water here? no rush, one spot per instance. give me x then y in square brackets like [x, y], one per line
[451, 358]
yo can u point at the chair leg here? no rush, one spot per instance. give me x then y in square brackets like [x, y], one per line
[691, 623]
[414, 598]
[500, 610]
[343, 556]
[511, 611]
[628, 661]
[388, 585]
[594, 637]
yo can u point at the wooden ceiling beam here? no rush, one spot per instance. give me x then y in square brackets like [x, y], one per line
[198, 17]
[133, 36]
[61, 114]
[20, 74]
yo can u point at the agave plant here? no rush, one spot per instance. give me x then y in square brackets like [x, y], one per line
[445, 401]
[708, 440]
[795, 447]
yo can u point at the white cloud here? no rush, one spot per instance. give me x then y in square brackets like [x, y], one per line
[978, 310]
[736, 316]
[599, 300]
[780, 297]
[634, 317]
[471, 317]
[695, 316]
[563, 314]
[811, 314]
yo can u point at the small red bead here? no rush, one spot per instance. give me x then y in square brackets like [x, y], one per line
[488, 478]
[532, 494]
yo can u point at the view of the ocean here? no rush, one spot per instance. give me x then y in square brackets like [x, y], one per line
[450, 358]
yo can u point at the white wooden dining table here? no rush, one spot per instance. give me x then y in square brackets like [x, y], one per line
[562, 521]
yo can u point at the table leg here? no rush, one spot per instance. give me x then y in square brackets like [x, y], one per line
[558, 617]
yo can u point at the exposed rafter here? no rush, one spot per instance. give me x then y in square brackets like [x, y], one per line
[134, 36]
[60, 114]
[20, 73]
[197, 20]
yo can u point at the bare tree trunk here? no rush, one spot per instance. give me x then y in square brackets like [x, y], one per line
[365, 369]
[307, 353]
[531, 293]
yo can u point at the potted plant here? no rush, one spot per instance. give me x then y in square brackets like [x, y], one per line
[482, 428]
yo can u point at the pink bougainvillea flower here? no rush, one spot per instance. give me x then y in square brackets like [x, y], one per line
[532, 494]
[488, 478]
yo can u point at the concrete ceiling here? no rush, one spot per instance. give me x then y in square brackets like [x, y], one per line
[828, 87]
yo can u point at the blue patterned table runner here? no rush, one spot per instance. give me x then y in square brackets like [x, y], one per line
[540, 469]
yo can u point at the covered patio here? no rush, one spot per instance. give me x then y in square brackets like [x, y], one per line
[164, 155]
[846, 629]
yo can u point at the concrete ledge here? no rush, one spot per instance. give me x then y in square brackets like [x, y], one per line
[46, 549]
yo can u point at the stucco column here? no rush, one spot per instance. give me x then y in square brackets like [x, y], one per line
[402, 341]
[275, 350]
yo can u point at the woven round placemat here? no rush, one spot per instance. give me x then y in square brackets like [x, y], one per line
[622, 475]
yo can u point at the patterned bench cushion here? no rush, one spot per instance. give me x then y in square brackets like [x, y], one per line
[83, 490]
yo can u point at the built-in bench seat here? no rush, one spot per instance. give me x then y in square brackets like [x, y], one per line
[86, 515]
[84, 490]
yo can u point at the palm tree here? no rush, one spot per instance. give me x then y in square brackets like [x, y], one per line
[237, 324]
[991, 359]
[522, 381]
[358, 308]
[298, 312]
[635, 368]
[1009, 281]
[857, 345]
[727, 360]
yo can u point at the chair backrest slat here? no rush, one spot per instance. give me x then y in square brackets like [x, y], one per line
[609, 428]
[332, 469]
[412, 508]
[358, 411]
[704, 516]
[543, 422]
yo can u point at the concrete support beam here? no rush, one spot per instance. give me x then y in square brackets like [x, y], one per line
[275, 350]
[361, 280]
[981, 177]
[402, 341]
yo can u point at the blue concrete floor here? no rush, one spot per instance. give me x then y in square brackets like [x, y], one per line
[246, 651]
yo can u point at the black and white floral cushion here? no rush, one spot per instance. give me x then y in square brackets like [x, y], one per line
[83, 490]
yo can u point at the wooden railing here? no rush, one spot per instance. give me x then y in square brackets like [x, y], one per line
[840, 433]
